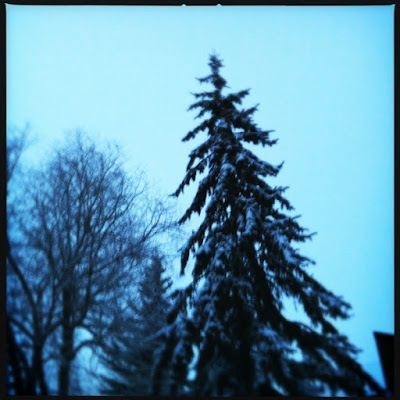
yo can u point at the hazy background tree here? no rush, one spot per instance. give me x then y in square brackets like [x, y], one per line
[244, 266]
[77, 244]
[128, 350]
[24, 370]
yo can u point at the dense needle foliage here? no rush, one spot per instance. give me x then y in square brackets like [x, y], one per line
[227, 333]
[128, 352]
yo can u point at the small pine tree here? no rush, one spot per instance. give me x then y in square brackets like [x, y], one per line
[129, 357]
[244, 262]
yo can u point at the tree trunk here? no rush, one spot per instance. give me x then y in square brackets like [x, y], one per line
[63, 377]
[66, 355]
[37, 369]
[65, 361]
[23, 382]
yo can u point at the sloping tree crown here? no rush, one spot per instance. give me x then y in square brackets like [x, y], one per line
[128, 352]
[227, 334]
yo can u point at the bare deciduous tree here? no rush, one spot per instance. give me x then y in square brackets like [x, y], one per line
[23, 373]
[83, 233]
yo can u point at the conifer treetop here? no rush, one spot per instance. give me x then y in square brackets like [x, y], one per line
[244, 263]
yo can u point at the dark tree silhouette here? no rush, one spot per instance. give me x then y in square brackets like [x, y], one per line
[128, 351]
[78, 241]
[227, 333]
[25, 373]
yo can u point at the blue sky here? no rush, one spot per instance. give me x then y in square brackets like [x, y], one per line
[323, 77]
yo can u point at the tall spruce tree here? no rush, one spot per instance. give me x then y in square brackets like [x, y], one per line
[227, 333]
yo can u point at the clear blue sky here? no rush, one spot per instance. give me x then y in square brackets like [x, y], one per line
[323, 77]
